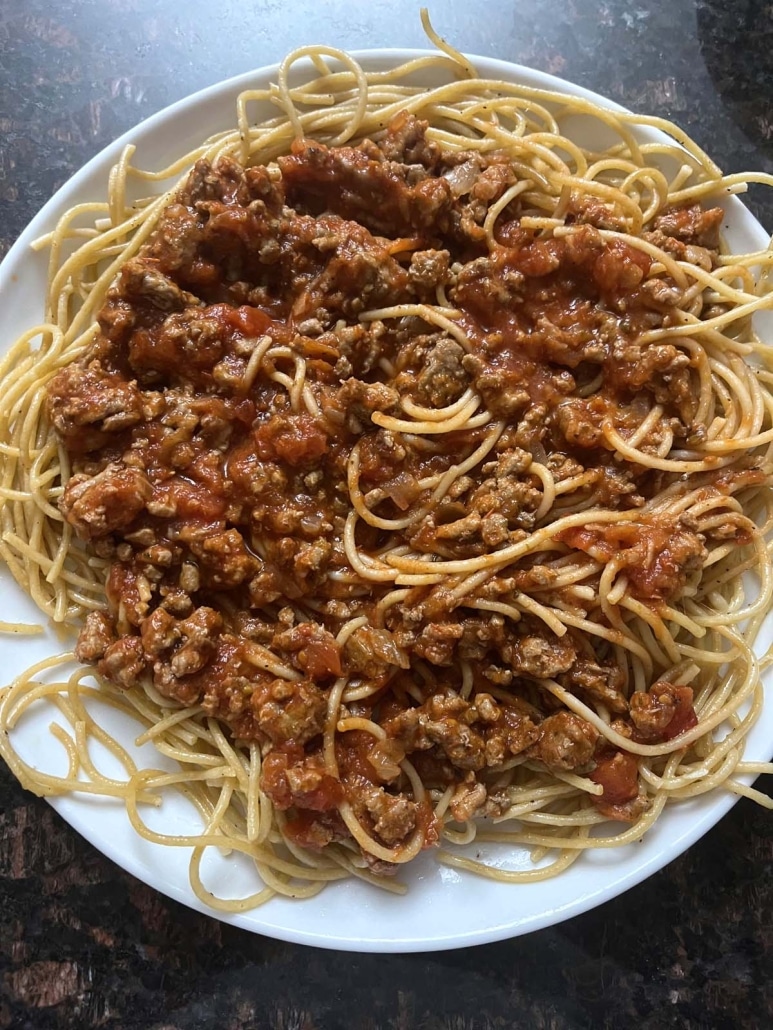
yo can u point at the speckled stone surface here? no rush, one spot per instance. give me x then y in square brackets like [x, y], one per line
[83, 944]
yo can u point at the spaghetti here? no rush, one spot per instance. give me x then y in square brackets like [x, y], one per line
[406, 464]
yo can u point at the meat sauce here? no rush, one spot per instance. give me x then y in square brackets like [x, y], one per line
[215, 483]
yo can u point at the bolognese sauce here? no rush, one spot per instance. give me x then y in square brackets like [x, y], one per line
[258, 362]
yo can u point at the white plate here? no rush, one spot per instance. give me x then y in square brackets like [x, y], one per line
[443, 908]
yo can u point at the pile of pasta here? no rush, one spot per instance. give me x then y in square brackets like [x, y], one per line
[708, 637]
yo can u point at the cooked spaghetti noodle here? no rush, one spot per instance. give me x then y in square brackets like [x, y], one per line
[406, 468]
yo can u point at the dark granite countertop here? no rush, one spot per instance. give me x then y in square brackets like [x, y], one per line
[83, 944]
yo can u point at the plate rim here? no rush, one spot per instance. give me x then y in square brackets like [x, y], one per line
[705, 817]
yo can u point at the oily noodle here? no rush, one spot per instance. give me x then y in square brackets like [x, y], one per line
[704, 638]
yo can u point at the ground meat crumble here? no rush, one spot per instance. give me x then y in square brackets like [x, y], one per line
[219, 494]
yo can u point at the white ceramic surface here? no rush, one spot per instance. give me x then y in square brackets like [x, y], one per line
[443, 908]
